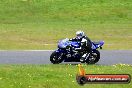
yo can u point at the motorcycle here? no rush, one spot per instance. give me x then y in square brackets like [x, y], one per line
[66, 52]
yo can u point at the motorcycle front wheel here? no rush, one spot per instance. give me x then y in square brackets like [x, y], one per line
[56, 57]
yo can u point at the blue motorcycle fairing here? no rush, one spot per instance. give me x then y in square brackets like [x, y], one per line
[65, 42]
[75, 44]
[60, 50]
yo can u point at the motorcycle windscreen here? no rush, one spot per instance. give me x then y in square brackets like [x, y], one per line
[63, 44]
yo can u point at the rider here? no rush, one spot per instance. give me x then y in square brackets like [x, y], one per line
[85, 46]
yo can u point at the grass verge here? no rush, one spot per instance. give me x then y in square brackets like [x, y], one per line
[56, 76]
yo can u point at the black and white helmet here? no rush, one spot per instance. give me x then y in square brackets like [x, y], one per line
[80, 34]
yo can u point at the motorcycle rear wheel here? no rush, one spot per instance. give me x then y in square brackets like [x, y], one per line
[94, 57]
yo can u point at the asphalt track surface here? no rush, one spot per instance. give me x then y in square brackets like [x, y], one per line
[108, 57]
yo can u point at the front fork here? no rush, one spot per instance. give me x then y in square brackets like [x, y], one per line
[60, 53]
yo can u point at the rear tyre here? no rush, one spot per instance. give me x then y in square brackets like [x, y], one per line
[56, 58]
[94, 57]
[97, 55]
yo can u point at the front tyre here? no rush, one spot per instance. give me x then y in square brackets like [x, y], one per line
[56, 57]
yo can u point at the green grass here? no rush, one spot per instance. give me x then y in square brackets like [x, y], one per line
[32, 24]
[56, 76]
